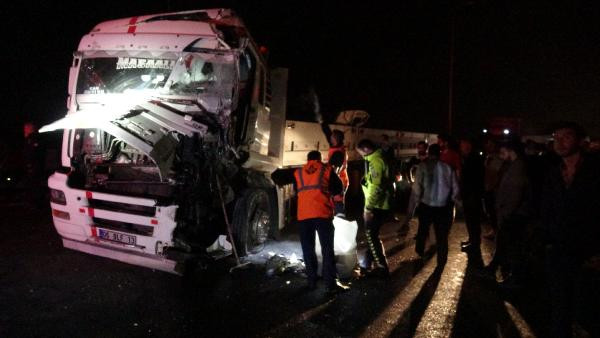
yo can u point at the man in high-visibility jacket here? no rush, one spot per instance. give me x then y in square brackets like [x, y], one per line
[316, 183]
[378, 190]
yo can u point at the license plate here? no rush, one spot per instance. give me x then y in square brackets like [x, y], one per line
[116, 237]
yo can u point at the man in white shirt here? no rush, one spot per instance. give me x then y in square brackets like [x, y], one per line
[436, 190]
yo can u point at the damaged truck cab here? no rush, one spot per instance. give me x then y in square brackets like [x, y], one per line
[174, 125]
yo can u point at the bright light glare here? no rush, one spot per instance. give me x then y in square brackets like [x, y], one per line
[481, 153]
[158, 78]
[146, 77]
[506, 131]
[8, 178]
[485, 131]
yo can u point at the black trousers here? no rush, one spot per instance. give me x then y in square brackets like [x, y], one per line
[441, 218]
[472, 209]
[375, 252]
[324, 227]
[510, 240]
[563, 275]
[489, 200]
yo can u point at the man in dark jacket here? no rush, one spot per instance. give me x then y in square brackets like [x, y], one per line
[570, 210]
[513, 212]
[471, 189]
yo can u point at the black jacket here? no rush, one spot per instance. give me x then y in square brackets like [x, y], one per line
[471, 176]
[571, 215]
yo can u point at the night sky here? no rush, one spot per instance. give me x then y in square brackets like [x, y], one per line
[527, 59]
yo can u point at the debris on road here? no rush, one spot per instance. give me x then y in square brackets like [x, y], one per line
[279, 264]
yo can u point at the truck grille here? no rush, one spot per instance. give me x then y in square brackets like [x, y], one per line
[134, 209]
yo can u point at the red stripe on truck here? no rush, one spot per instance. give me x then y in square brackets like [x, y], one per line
[91, 212]
[94, 232]
[132, 25]
[88, 195]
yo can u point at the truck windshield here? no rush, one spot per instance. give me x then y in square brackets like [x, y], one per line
[187, 74]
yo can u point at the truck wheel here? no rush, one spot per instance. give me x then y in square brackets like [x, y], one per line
[274, 232]
[252, 219]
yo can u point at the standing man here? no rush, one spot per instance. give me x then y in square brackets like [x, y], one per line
[413, 165]
[378, 190]
[570, 210]
[338, 159]
[492, 165]
[471, 190]
[316, 183]
[447, 153]
[33, 157]
[435, 188]
[513, 212]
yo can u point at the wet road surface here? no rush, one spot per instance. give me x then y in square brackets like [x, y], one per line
[46, 290]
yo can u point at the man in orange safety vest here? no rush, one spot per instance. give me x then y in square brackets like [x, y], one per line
[316, 183]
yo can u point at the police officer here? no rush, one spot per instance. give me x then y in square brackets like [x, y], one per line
[378, 190]
[316, 183]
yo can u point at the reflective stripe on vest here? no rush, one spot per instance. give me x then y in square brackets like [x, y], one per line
[303, 187]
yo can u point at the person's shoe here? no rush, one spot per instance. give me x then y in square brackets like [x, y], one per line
[471, 247]
[337, 287]
[311, 285]
[360, 271]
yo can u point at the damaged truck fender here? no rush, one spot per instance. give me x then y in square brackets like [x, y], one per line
[159, 108]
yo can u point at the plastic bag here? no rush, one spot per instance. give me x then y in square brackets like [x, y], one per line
[344, 246]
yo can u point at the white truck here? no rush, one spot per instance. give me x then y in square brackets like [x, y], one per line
[171, 123]
[174, 125]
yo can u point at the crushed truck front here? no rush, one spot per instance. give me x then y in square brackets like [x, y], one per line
[163, 109]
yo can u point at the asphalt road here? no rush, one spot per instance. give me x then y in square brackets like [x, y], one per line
[46, 290]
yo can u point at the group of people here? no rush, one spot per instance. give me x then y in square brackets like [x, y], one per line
[556, 189]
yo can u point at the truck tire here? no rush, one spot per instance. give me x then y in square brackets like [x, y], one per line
[252, 220]
[274, 232]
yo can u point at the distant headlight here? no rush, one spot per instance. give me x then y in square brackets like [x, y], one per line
[58, 197]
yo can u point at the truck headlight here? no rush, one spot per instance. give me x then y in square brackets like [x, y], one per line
[58, 197]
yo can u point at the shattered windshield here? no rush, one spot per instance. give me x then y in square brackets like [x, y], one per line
[207, 77]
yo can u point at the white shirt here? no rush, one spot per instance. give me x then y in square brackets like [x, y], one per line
[435, 184]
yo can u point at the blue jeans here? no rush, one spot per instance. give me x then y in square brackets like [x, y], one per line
[324, 227]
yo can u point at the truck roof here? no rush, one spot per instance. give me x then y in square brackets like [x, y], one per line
[165, 31]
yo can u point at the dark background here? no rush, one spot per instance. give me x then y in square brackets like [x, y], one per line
[534, 60]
